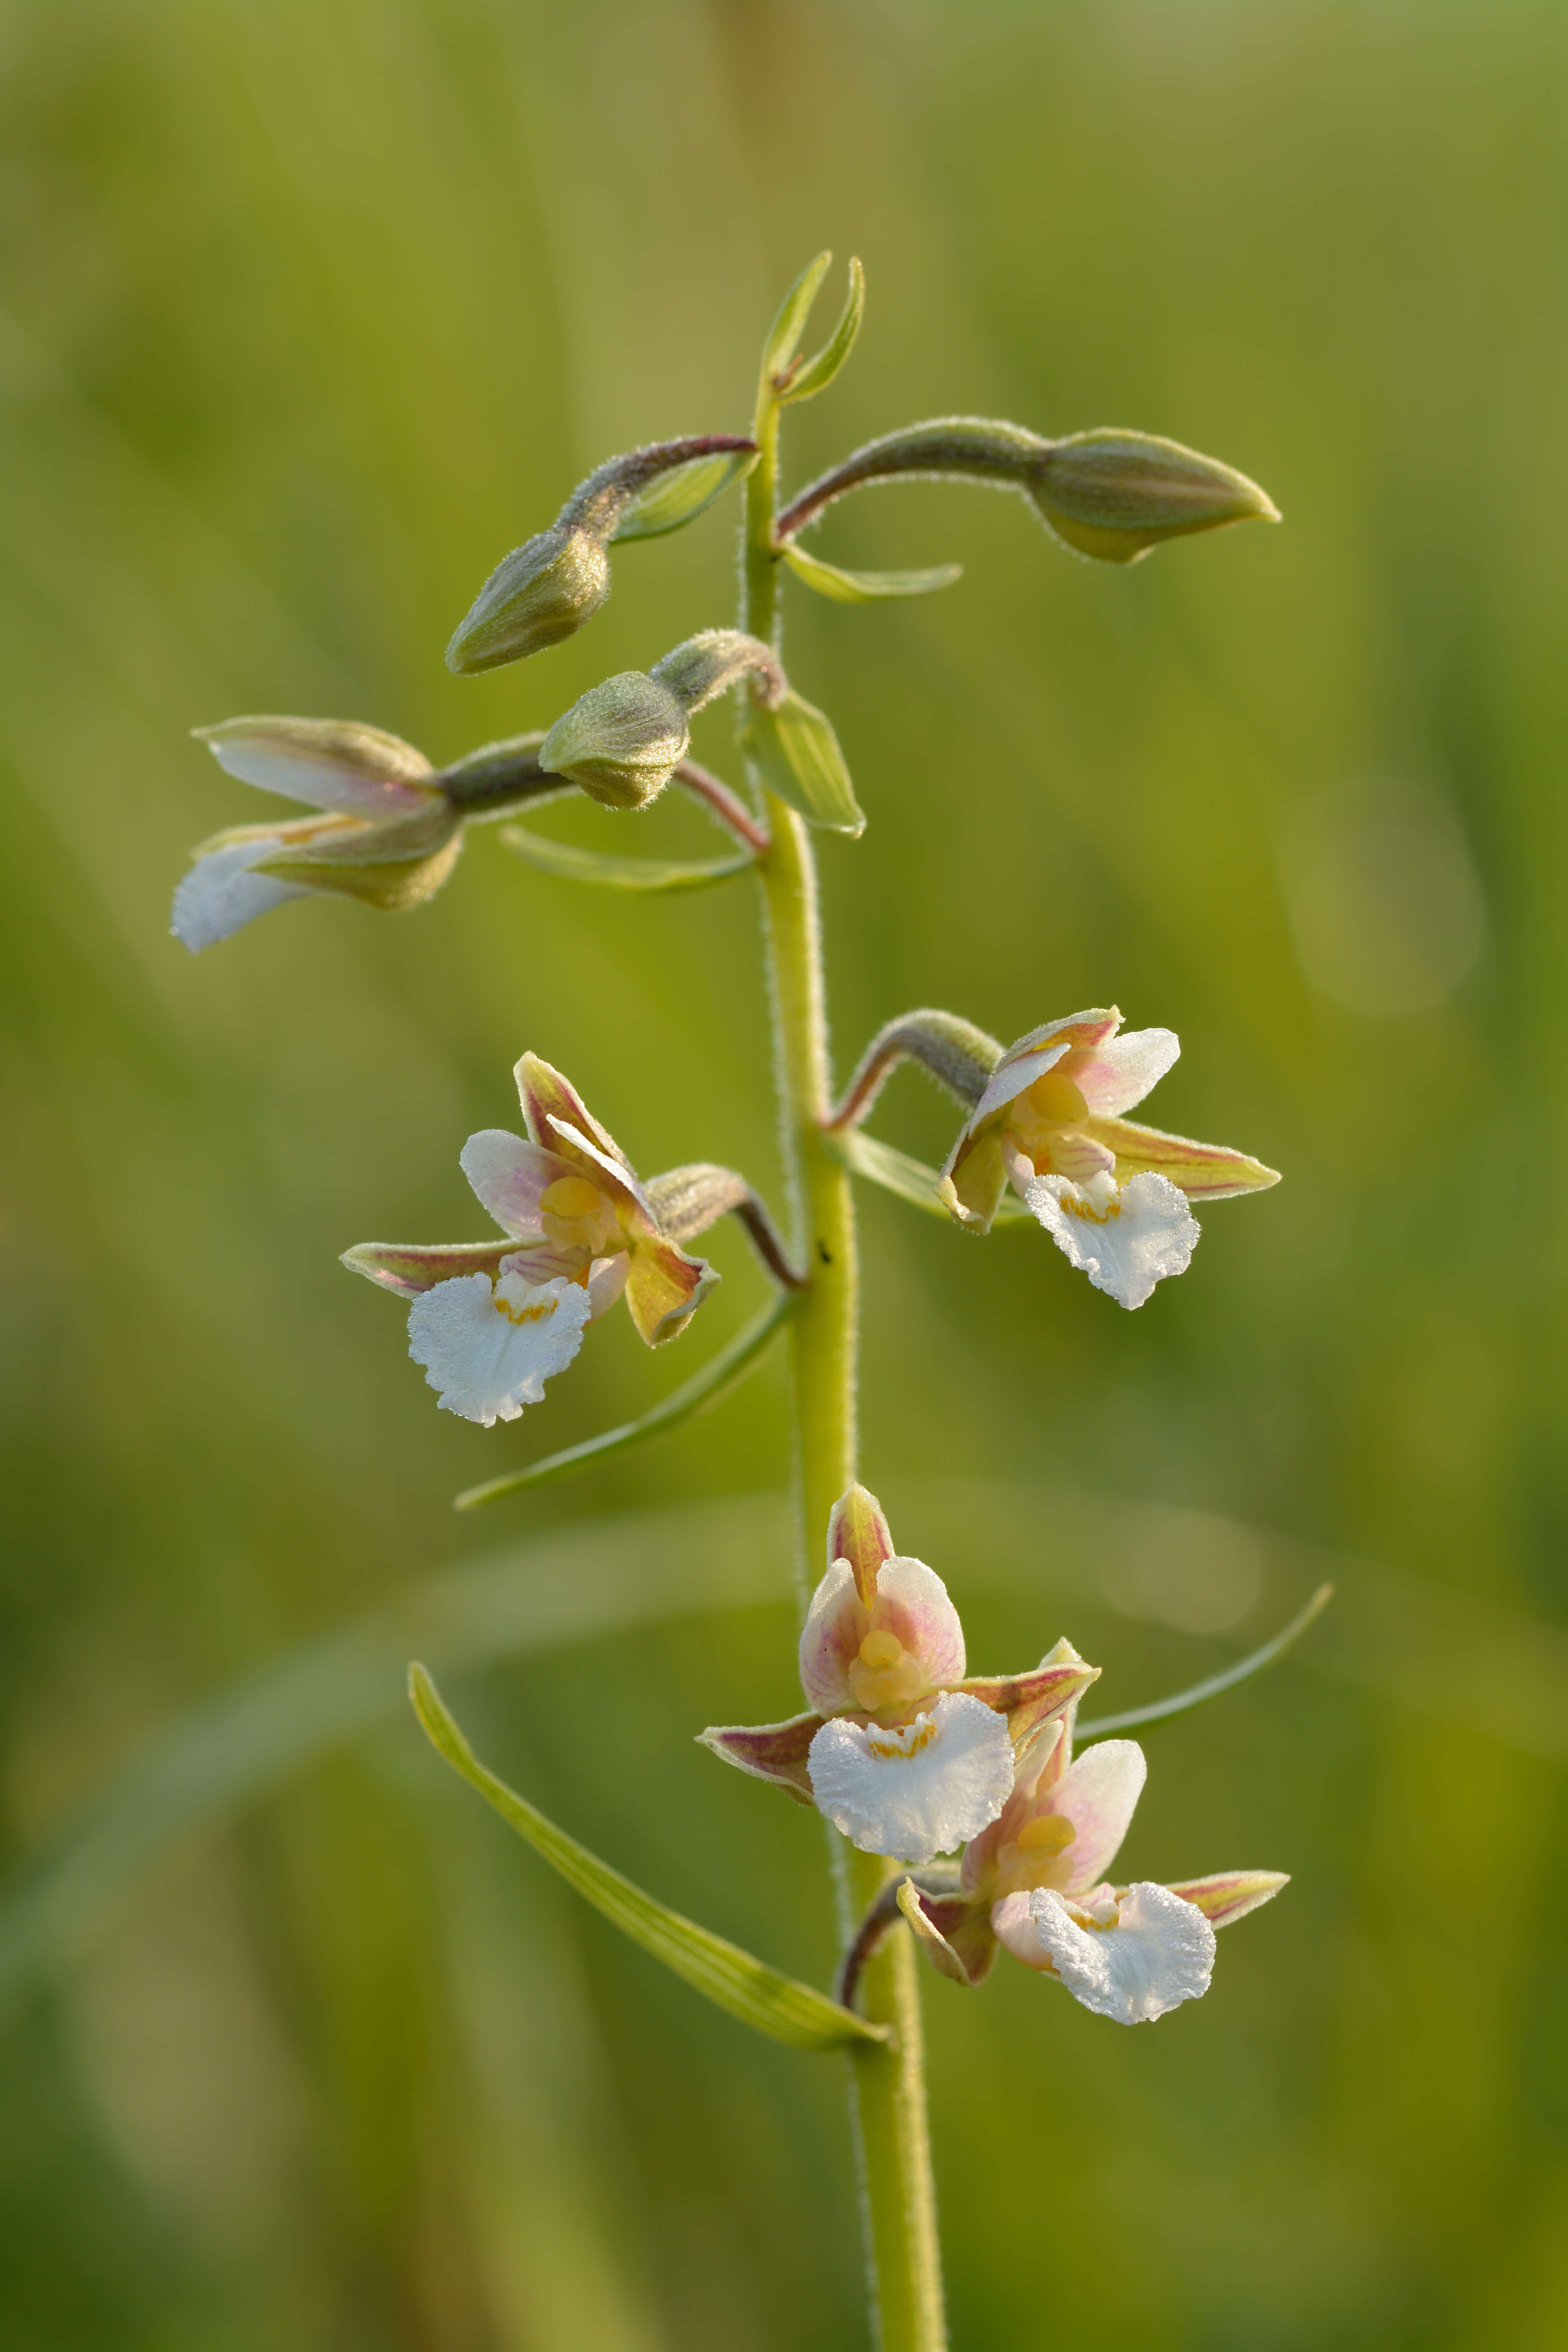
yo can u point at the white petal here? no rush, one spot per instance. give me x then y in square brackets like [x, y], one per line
[917, 1791]
[1120, 1072]
[331, 766]
[911, 1602]
[490, 1347]
[1159, 1954]
[1125, 1240]
[509, 1175]
[220, 894]
[606, 1280]
[1098, 1794]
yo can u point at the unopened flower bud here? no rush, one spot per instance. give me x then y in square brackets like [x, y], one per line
[707, 665]
[1114, 496]
[620, 741]
[540, 593]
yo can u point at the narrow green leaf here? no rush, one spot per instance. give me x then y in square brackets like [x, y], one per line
[898, 1172]
[784, 334]
[679, 496]
[866, 587]
[646, 874]
[715, 1379]
[796, 752]
[819, 373]
[1244, 1668]
[761, 1996]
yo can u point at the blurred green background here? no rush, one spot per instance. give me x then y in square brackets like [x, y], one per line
[310, 309]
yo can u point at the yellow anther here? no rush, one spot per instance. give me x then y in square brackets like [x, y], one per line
[532, 1310]
[571, 1196]
[1047, 1834]
[879, 1651]
[1056, 1101]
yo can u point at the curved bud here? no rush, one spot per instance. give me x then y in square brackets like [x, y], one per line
[542, 592]
[1114, 495]
[621, 741]
[707, 665]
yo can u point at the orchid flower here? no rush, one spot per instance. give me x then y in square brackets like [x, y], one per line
[388, 832]
[1033, 1881]
[492, 1321]
[903, 1752]
[1111, 1193]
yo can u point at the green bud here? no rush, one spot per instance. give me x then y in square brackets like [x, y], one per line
[542, 592]
[1114, 495]
[621, 741]
[707, 665]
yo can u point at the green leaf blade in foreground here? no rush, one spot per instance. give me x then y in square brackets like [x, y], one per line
[646, 875]
[789, 322]
[795, 751]
[679, 496]
[1217, 1685]
[910, 1179]
[761, 1996]
[715, 1379]
[866, 587]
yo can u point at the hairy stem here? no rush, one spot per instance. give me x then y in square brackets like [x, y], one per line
[897, 2197]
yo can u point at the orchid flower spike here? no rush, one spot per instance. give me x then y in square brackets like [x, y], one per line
[1113, 1195]
[492, 1321]
[903, 1752]
[388, 832]
[1033, 1881]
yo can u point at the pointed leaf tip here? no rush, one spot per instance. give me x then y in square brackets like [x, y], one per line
[761, 1996]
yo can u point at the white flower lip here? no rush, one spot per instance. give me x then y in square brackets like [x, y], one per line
[1158, 1953]
[919, 1791]
[1126, 1238]
[489, 1348]
[220, 894]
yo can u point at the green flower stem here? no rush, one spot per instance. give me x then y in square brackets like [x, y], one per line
[897, 2197]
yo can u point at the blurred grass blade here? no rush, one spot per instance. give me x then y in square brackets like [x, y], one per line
[819, 373]
[866, 587]
[761, 1996]
[644, 873]
[715, 1379]
[679, 496]
[796, 752]
[789, 322]
[573, 1585]
[1217, 1683]
[899, 1172]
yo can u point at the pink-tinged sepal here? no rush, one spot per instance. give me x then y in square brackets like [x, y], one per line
[1230, 1894]
[664, 1289]
[955, 1934]
[328, 762]
[407, 1268]
[769, 1751]
[545, 1095]
[973, 1179]
[858, 1532]
[1203, 1171]
[1029, 1701]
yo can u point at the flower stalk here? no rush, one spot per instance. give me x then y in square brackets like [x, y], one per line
[898, 2193]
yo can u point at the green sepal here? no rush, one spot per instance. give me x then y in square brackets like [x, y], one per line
[789, 324]
[818, 374]
[679, 496]
[645, 874]
[899, 1172]
[866, 587]
[795, 751]
[761, 1996]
